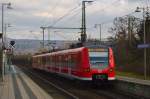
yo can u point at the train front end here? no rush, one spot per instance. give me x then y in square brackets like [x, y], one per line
[101, 64]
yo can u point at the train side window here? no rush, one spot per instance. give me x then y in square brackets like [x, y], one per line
[43, 60]
[40, 60]
[74, 60]
[78, 58]
[53, 60]
[50, 57]
[50, 60]
[56, 61]
[60, 60]
[63, 60]
[69, 60]
[46, 60]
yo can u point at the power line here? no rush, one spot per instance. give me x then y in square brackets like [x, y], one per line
[51, 11]
[65, 37]
[148, 2]
[142, 2]
[78, 12]
[62, 17]
[72, 16]
[106, 7]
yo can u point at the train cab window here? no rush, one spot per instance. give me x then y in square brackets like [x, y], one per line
[99, 59]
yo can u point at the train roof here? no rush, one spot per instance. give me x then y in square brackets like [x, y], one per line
[96, 46]
[72, 50]
[62, 52]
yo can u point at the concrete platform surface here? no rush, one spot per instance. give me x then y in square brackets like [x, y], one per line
[134, 80]
[17, 85]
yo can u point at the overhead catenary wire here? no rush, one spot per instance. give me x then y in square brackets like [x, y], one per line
[51, 12]
[106, 7]
[65, 15]
[61, 35]
[142, 2]
[112, 19]
[70, 18]
[75, 14]
[147, 3]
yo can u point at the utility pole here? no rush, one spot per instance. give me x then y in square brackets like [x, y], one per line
[83, 29]
[5, 33]
[145, 51]
[48, 39]
[144, 38]
[3, 46]
[43, 31]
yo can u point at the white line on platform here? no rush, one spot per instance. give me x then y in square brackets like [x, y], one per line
[13, 68]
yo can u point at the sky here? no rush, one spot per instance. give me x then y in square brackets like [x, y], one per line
[27, 16]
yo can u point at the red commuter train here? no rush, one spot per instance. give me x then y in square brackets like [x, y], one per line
[92, 64]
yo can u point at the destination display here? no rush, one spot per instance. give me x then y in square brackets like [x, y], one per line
[97, 49]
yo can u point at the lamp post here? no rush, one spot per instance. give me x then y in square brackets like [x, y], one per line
[5, 33]
[3, 60]
[138, 9]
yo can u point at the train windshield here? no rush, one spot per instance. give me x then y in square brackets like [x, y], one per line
[98, 59]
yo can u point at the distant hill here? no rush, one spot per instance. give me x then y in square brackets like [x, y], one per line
[32, 46]
[24, 46]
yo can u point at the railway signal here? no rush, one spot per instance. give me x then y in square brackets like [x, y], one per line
[12, 43]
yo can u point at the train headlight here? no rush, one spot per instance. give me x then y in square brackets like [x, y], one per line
[111, 69]
[87, 70]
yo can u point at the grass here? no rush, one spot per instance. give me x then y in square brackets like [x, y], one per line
[132, 75]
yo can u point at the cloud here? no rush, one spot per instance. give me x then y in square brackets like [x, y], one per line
[30, 15]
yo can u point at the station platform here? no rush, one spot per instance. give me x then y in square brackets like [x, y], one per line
[17, 85]
[133, 80]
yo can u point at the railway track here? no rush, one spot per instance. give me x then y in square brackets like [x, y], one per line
[55, 91]
[69, 89]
